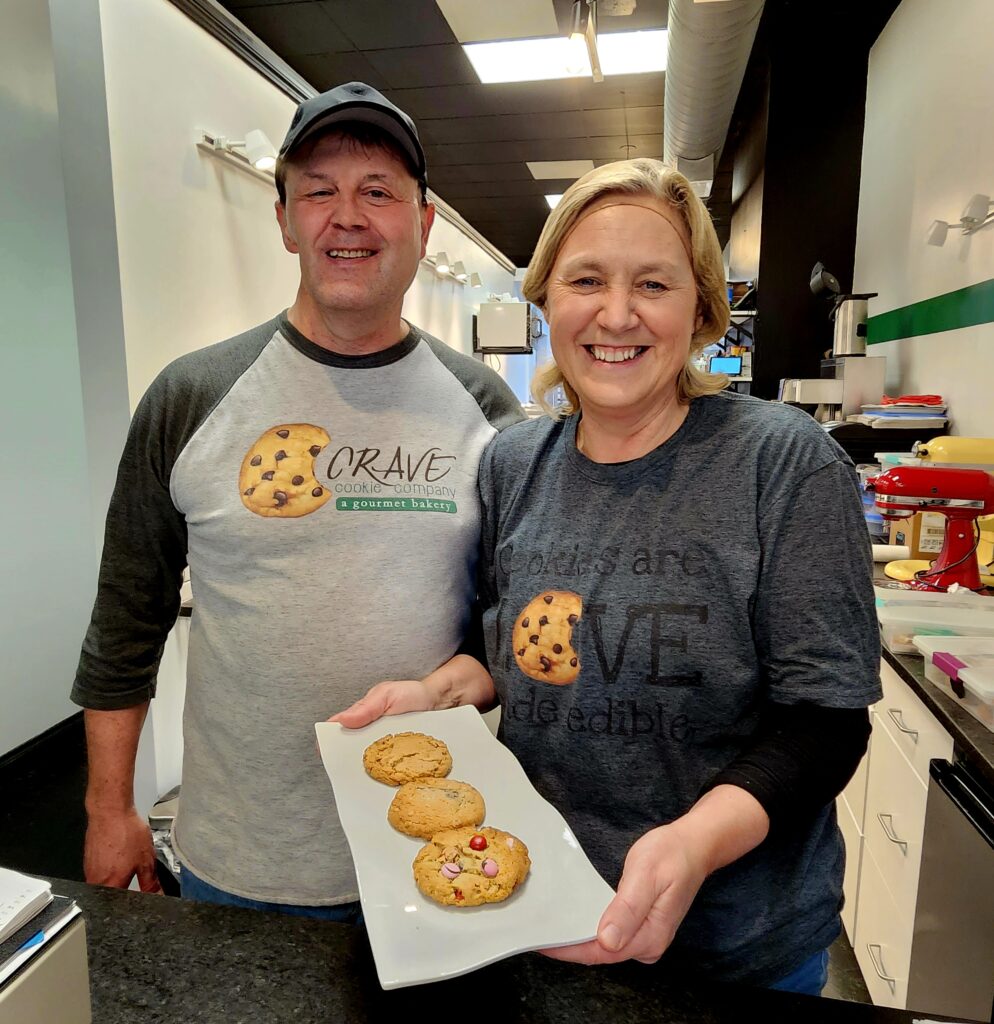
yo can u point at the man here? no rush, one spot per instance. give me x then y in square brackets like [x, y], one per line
[318, 475]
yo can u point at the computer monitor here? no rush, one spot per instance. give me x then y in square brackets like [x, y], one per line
[732, 365]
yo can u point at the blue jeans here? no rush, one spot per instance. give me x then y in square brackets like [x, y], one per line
[194, 888]
[809, 979]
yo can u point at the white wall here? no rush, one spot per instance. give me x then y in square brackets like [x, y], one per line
[927, 147]
[45, 516]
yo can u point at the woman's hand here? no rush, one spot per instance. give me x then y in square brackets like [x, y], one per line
[664, 871]
[395, 697]
[461, 680]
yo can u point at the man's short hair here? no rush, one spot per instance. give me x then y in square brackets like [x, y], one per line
[364, 136]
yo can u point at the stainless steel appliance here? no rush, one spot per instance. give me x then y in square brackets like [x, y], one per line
[952, 951]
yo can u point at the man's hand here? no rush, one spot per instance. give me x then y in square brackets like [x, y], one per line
[118, 847]
[396, 697]
[661, 878]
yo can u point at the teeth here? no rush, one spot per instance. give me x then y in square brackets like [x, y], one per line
[350, 254]
[614, 355]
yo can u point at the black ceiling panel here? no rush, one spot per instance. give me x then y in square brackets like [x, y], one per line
[449, 174]
[326, 70]
[418, 66]
[604, 148]
[294, 28]
[384, 24]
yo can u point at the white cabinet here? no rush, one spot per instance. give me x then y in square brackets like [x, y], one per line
[882, 817]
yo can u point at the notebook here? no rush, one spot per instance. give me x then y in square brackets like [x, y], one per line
[21, 898]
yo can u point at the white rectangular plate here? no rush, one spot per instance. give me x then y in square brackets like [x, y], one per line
[415, 940]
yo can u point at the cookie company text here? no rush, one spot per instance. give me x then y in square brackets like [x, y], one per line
[607, 717]
[385, 468]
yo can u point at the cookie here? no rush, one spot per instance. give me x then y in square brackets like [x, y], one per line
[542, 635]
[426, 806]
[277, 475]
[406, 757]
[465, 867]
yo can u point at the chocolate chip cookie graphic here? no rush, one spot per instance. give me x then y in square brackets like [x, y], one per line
[277, 475]
[542, 634]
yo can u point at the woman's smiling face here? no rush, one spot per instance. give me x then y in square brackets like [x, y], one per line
[622, 305]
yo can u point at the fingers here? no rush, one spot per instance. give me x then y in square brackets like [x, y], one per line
[148, 880]
[627, 912]
[365, 710]
[590, 953]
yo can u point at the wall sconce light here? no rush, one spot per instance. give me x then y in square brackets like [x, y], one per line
[255, 152]
[442, 264]
[977, 212]
[459, 271]
[475, 281]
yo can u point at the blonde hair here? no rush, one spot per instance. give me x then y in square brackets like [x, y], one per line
[642, 177]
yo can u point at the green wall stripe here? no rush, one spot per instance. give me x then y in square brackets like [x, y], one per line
[965, 307]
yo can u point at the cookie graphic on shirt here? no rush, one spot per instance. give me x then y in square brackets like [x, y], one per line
[277, 475]
[542, 637]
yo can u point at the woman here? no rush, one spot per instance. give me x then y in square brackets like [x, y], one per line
[677, 604]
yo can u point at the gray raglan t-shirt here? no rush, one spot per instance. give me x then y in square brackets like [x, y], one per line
[728, 568]
[295, 616]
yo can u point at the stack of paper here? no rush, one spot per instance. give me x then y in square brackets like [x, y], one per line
[30, 917]
[21, 898]
[903, 413]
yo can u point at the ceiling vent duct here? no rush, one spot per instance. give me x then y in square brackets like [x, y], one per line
[708, 49]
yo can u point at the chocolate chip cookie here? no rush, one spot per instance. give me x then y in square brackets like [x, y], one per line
[277, 475]
[406, 756]
[542, 636]
[426, 806]
[465, 867]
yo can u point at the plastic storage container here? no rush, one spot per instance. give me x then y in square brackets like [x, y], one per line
[904, 614]
[963, 668]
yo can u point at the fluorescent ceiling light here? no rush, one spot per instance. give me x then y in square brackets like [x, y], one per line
[474, 20]
[537, 60]
[543, 170]
[553, 201]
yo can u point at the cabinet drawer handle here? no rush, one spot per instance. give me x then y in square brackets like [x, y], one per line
[887, 824]
[878, 966]
[898, 719]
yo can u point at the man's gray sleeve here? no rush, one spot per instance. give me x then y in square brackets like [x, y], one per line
[141, 570]
[145, 543]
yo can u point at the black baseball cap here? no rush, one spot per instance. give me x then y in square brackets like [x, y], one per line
[356, 101]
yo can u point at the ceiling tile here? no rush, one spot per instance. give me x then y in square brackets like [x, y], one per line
[294, 28]
[419, 66]
[382, 24]
[326, 70]
[606, 148]
[478, 172]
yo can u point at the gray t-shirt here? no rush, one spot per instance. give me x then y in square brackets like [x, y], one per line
[310, 583]
[728, 568]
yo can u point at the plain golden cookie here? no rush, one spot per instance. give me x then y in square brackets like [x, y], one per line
[466, 867]
[542, 637]
[426, 806]
[406, 756]
[277, 475]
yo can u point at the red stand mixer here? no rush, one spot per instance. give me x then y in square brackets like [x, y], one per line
[962, 495]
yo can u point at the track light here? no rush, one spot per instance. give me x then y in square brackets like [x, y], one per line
[978, 212]
[475, 281]
[459, 271]
[255, 152]
[442, 265]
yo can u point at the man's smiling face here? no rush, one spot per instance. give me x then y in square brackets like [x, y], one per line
[354, 216]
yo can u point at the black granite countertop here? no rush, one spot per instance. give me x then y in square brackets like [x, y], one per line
[974, 741]
[158, 960]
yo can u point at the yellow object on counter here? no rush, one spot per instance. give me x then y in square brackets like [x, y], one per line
[971, 450]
